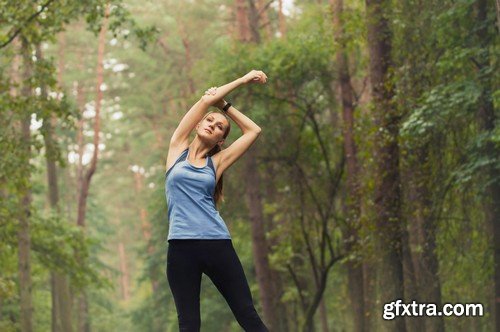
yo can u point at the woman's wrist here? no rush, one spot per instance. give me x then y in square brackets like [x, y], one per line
[220, 104]
[223, 105]
[226, 107]
[241, 80]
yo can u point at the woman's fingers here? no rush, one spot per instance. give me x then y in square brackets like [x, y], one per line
[260, 77]
[211, 91]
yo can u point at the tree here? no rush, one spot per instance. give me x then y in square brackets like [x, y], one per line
[387, 189]
[353, 208]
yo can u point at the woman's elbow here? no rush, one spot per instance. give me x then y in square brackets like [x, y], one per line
[254, 131]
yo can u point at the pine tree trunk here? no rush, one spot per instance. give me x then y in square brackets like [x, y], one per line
[124, 272]
[146, 229]
[242, 21]
[80, 98]
[323, 315]
[62, 282]
[387, 187]
[61, 303]
[411, 240]
[271, 223]
[84, 324]
[262, 9]
[24, 240]
[259, 242]
[425, 260]
[254, 22]
[281, 19]
[369, 287]
[487, 121]
[248, 32]
[189, 61]
[354, 267]
[82, 202]
[80, 326]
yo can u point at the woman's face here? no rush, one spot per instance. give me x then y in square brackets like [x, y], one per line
[213, 127]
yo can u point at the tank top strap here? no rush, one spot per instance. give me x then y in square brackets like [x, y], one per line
[210, 164]
[182, 157]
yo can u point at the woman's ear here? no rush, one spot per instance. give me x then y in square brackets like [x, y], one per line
[220, 143]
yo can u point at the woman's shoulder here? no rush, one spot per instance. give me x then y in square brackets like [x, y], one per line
[216, 159]
[174, 153]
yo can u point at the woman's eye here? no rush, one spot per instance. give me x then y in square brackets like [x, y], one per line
[220, 127]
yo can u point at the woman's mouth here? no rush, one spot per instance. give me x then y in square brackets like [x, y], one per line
[208, 131]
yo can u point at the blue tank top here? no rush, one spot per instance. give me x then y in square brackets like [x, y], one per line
[191, 208]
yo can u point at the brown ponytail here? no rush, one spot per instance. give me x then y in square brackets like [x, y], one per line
[218, 194]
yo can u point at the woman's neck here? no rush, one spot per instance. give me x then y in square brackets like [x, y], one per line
[198, 150]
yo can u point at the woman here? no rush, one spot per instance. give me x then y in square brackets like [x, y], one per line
[198, 239]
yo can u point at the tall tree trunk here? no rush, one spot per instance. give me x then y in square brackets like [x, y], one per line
[411, 239]
[423, 224]
[82, 202]
[259, 243]
[387, 187]
[354, 267]
[413, 324]
[253, 21]
[146, 229]
[242, 21]
[61, 302]
[80, 97]
[281, 19]
[61, 281]
[297, 263]
[24, 240]
[497, 2]
[189, 61]
[369, 287]
[272, 222]
[487, 120]
[124, 272]
[323, 315]
[84, 324]
[262, 7]
[248, 28]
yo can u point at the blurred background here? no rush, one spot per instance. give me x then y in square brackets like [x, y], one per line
[375, 178]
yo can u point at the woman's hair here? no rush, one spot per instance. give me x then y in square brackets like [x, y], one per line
[218, 195]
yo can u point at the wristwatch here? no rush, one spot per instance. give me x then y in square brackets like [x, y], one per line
[226, 107]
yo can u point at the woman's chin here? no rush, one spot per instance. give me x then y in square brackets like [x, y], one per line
[207, 138]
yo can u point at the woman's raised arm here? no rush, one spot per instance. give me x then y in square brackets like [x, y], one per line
[225, 158]
[180, 138]
[195, 114]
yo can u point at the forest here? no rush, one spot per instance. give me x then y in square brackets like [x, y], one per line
[374, 184]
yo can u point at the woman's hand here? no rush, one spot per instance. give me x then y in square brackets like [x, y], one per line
[219, 103]
[255, 76]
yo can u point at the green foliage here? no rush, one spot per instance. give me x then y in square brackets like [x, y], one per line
[61, 246]
[42, 20]
[439, 107]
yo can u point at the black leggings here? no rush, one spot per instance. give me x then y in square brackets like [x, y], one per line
[187, 260]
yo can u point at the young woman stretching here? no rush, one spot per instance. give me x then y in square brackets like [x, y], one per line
[198, 239]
